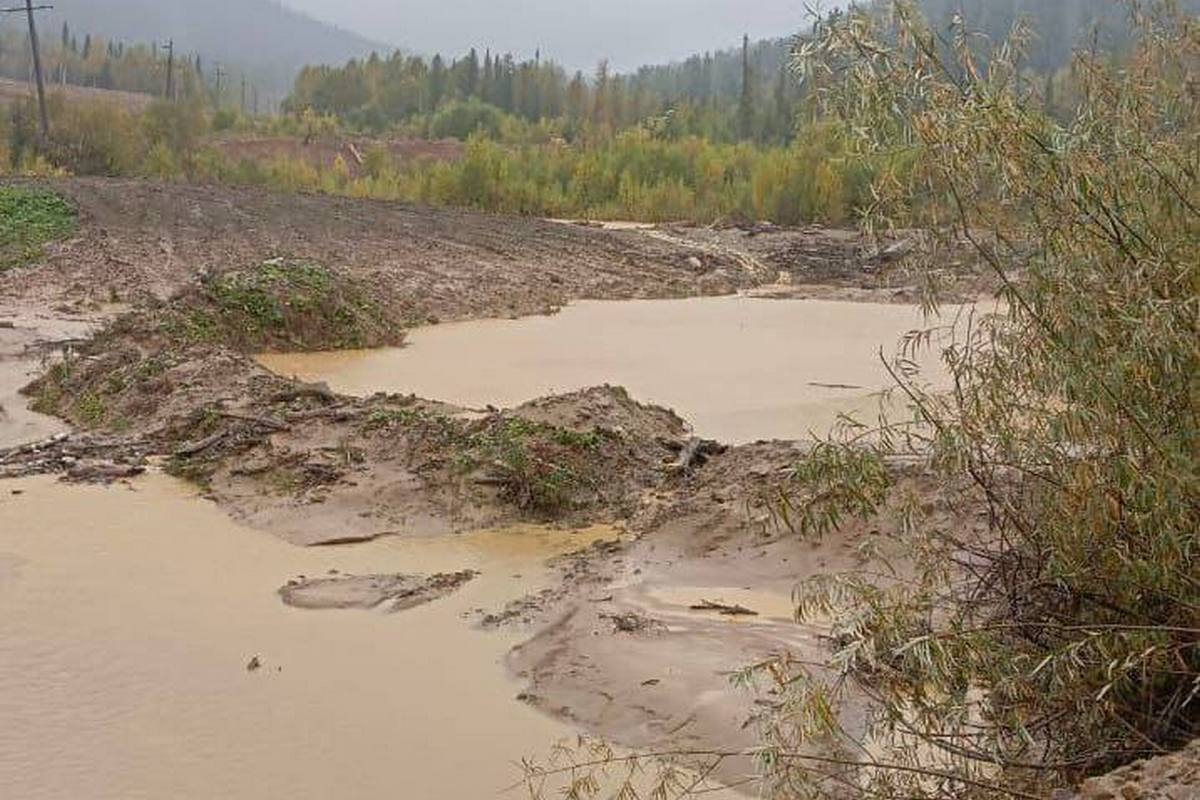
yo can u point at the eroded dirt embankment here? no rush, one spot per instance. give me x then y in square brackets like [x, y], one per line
[140, 240]
[217, 275]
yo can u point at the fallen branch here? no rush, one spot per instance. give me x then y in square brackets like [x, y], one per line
[724, 609]
[33, 447]
[820, 385]
[490, 480]
[200, 446]
[266, 422]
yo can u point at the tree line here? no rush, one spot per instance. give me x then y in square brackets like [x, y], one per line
[745, 94]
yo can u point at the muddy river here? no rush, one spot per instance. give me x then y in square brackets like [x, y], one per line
[130, 615]
[739, 369]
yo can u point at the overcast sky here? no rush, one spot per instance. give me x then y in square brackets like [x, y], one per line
[577, 33]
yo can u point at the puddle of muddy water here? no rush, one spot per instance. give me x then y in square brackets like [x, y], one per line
[738, 368]
[24, 341]
[128, 616]
[18, 424]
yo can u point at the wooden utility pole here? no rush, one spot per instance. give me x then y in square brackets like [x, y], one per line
[171, 69]
[220, 74]
[243, 109]
[28, 9]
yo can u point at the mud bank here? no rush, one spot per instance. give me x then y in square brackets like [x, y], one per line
[400, 592]
[141, 240]
[632, 649]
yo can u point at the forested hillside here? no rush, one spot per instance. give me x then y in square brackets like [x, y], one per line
[727, 95]
[1058, 27]
[261, 37]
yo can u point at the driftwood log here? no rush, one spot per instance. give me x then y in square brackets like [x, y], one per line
[33, 447]
[200, 446]
[693, 453]
[319, 390]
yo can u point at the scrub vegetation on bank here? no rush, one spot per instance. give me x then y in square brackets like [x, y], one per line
[635, 174]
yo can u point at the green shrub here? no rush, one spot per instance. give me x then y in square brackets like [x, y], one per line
[461, 120]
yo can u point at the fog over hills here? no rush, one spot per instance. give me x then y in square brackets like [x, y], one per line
[577, 33]
[261, 36]
[272, 39]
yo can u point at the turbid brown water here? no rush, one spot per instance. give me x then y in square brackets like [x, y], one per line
[130, 614]
[23, 335]
[740, 369]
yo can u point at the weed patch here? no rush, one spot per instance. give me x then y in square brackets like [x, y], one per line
[280, 304]
[29, 218]
[540, 467]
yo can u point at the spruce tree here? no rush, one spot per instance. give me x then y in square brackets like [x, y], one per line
[437, 82]
[472, 71]
[746, 108]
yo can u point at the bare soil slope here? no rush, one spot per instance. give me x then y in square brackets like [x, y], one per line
[139, 240]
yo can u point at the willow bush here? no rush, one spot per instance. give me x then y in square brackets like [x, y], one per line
[1065, 639]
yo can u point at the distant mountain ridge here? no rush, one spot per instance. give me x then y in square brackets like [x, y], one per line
[267, 40]
[1059, 29]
